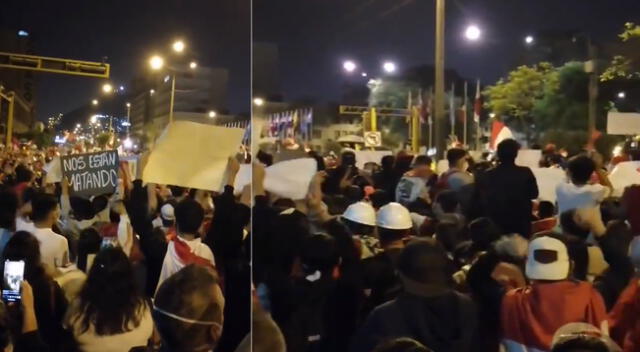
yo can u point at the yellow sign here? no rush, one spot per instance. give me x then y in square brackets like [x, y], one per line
[54, 65]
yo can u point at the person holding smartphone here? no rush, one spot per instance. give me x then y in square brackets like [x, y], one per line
[49, 301]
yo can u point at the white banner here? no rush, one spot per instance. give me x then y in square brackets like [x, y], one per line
[366, 156]
[623, 123]
[548, 180]
[193, 155]
[623, 175]
[286, 179]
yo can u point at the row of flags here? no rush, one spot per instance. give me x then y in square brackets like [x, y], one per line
[425, 105]
[290, 124]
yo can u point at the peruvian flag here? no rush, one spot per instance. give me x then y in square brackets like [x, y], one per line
[477, 107]
[499, 132]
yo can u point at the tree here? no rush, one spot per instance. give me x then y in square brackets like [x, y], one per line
[564, 105]
[626, 65]
[515, 98]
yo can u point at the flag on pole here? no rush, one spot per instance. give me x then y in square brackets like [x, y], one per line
[452, 109]
[477, 107]
[428, 109]
[295, 124]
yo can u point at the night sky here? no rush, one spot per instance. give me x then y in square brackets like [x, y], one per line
[127, 32]
[315, 36]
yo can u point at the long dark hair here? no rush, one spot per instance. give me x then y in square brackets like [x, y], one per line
[110, 299]
[24, 246]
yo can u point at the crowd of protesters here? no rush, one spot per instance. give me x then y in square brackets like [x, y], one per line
[393, 257]
[146, 268]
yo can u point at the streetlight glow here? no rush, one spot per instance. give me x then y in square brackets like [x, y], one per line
[156, 62]
[473, 33]
[212, 114]
[127, 143]
[389, 67]
[349, 66]
[94, 102]
[178, 46]
[122, 88]
[258, 101]
[107, 88]
[152, 91]
[94, 118]
[128, 105]
[364, 74]
[529, 39]
[622, 95]
[193, 65]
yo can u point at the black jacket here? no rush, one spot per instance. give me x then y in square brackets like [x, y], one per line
[443, 323]
[505, 193]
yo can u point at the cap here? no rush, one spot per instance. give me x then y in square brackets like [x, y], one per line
[362, 213]
[166, 212]
[547, 259]
[583, 331]
[394, 216]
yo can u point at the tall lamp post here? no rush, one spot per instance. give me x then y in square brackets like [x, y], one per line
[439, 78]
[157, 63]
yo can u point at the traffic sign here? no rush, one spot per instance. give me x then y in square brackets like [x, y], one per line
[372, 139]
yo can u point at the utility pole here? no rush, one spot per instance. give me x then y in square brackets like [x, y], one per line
[593, 87]
[439, 77]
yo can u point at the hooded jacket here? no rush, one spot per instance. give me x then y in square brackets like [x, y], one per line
[445, 322]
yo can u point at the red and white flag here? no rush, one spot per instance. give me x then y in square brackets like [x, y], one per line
[477, 107]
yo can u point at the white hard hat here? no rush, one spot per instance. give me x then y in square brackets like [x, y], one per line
[362, 213]
[394, 216]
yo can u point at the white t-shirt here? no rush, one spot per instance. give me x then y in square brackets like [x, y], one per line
[23, 224]
[90, 342]
[570, 196]
[54, 248]
[172, 263]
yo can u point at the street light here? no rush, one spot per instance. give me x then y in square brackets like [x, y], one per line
[122, 88]
[258, 101]
[389, 67]
[107, 88]
[622, 95]
[529, 39]
[212, 114]
[152, 91]
[156, 62]
[364, 74]
[128, 118]
[349, 66]
[473, 33]
[193, 65]
[94, 119]
[178, 46]
[94, 102]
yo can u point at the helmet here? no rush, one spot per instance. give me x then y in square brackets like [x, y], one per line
[362, 213]
[394, 216]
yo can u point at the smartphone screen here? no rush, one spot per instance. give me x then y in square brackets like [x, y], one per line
[13, 276]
